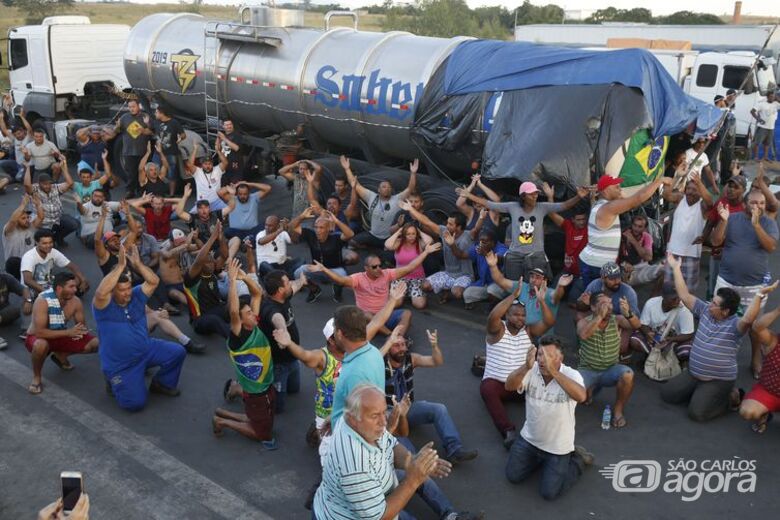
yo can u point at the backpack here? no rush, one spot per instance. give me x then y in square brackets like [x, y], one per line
[662, 364]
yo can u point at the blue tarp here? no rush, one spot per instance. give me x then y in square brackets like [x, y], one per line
[493, 66]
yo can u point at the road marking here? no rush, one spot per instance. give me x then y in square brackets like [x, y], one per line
[191, 484]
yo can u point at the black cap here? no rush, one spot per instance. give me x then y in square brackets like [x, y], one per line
[731, 92]
[202, 202]
[44, 177]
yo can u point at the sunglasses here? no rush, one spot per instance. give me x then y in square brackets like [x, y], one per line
[375, 266]
[518, 302]
[276, 247]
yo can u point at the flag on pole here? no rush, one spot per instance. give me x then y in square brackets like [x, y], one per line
[644, 159]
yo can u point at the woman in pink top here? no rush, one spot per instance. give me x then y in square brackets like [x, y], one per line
[408, 243]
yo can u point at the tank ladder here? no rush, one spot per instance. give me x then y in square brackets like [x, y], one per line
[214, 76]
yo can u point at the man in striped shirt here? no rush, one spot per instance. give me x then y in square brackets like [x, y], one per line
[507, 342]
[359, 478]
[708, 384]
[604, 223]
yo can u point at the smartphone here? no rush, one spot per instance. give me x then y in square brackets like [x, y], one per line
[72, 487]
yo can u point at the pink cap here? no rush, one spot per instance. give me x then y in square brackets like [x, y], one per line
[528, 187]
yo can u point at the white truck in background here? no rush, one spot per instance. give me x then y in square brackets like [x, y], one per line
[705, 75]
[66, 71]
[701, 73]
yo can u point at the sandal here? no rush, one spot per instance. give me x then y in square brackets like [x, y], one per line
[226, 391]
[66, 366]
[761, 426]
[618, 422]
[35, 388]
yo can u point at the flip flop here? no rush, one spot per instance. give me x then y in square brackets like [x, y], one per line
[618, 422]
[761, 426]
[62, 366]
[35, 388]
[226, 392]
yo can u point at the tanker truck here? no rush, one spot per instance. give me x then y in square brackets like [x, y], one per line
[522, 110]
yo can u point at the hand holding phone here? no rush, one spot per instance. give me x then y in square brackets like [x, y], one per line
[72, 487]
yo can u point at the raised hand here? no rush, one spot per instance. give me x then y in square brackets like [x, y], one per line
[232, 269]
[122, 258]
[625, 308]
[755, 215]
[433, 247]
[317, 267]
[530, 358]
[344, 162]
[565, 280]
[583, 192]
[187, 191]
[491, 259]
[552, 362]
[282, 337]
[423, 464]
[548, 191]
[398, 291]
[433, 337]
[723, 211]
[414, 165]
[448, 238]
[104, 155]
[672, 261]
[405, 205]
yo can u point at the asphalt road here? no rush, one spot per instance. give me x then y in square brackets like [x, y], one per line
[165, 463]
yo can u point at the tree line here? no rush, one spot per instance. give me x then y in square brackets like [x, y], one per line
[454, 17]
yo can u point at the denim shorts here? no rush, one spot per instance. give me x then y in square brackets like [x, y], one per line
[601, 378]
[394, 319]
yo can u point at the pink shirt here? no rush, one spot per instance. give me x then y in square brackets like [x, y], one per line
[404, 255]
[371, 295]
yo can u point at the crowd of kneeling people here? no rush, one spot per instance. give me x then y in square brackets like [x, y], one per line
[160, 250]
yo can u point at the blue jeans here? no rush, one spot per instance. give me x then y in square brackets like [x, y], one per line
[600, 378]
[424, 412]
[319, 278]
[588, 273]
[12, 168]
[287, 380]
[128, 385]
[559, 472]
[430, 491]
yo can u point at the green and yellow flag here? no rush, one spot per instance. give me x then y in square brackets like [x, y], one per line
[644, 159]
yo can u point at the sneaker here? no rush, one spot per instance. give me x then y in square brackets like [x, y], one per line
[586, 456]
[462, 455]
[337, 293]
[313, 294]
[23, 335]
[510, 438]
[195, 348]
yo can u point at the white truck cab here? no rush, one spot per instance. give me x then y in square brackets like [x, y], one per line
[714, 73]
[66, 67]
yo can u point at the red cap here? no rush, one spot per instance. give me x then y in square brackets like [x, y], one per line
[605, 181]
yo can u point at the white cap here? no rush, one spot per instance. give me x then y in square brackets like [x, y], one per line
[328, 330]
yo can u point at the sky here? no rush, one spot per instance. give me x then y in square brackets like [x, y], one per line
[659, 7]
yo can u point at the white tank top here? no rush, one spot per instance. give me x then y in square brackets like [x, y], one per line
[507, 355]
[687, 225]
[603, 244]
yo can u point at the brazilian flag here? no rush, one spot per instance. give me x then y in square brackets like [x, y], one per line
[644, 159]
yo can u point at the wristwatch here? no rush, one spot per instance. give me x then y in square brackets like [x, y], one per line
[629, 315]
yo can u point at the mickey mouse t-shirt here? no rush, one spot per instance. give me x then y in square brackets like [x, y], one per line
[527, 227]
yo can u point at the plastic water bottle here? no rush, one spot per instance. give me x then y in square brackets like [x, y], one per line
[606, 418]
